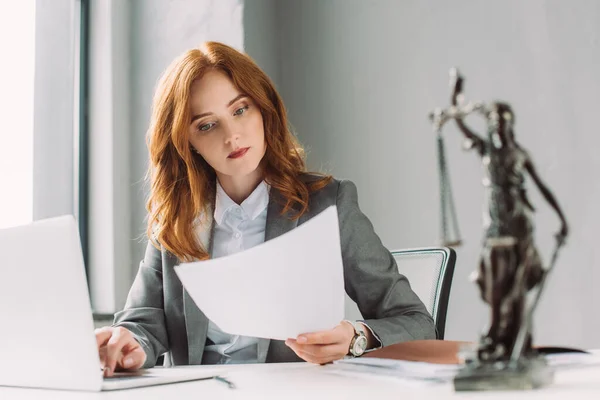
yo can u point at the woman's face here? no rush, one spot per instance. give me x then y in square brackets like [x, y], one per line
[226, 127]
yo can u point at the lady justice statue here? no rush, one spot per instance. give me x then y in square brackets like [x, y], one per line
[510, 274]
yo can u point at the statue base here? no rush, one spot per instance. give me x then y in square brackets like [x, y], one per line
[529, 373]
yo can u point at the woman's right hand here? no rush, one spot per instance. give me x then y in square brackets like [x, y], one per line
[118, 350]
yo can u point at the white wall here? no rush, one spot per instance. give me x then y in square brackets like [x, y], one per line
[109, 250]
[359, 79]
[53, 137]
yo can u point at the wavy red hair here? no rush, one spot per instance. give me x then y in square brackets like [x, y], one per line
[182, 184]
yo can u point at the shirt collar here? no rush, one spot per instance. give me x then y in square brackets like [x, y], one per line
[253, 206]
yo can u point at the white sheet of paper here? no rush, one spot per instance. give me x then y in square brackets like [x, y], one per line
[279, 289]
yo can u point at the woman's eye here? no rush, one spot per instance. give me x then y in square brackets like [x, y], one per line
[240, 111]
[205, 127]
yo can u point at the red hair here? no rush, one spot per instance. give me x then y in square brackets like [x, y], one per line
[182, 184]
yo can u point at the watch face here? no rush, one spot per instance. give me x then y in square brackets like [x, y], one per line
[360, 345]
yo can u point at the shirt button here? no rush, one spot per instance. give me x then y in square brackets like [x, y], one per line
[237, 235]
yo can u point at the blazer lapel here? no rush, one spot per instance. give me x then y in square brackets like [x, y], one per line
[196, 322]
[196, 326]
[278, 224]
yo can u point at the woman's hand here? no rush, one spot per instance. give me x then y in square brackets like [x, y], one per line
[118, 350]
[325, 346]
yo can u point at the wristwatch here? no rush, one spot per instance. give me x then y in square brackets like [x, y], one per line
[358, 344]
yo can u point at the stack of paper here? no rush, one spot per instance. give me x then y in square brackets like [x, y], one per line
[411, 370]
[420, 373]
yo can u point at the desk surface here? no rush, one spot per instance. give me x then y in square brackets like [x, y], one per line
[304, 381]
[307, 381]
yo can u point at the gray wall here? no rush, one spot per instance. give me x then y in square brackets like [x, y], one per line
[261, 34]
[359, 78]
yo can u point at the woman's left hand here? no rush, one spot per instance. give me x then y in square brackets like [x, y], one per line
[325, 346]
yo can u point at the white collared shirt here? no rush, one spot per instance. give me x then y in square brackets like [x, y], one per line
[237, 228]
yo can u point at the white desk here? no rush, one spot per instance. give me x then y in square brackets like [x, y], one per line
[307, 381]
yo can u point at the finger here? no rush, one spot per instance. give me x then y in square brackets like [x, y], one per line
[133, 359]
[115, 344]
[319, 351]
[323, 337]
[303, 355]
[295, 347]
[132, 355]
[311, 349]
[102, 354]
[102, 335]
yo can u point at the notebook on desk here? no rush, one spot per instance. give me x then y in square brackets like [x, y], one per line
[47, 338]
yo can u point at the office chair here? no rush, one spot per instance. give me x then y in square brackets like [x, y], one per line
[429, 271]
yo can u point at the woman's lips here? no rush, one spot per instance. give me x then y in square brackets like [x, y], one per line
[238, 153]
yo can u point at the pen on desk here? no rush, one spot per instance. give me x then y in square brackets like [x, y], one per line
[229, 384]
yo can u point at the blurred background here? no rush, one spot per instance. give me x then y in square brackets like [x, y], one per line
[358, 78]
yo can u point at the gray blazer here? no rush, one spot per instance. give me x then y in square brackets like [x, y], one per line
[163, 317]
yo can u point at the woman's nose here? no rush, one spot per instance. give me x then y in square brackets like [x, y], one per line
[231, 133]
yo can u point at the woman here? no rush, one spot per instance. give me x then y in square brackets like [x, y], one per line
[226, 174]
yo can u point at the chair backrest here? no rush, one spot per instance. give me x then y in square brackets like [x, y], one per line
[429, 271]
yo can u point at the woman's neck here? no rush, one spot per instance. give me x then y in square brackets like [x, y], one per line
[238, 188]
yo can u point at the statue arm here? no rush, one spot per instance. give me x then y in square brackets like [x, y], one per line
[473, 140]
[548, 196]
[456, 81]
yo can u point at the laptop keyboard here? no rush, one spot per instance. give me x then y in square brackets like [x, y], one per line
[124, 377]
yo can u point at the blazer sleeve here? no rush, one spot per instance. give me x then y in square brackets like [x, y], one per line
[143, 314]
[389, 306]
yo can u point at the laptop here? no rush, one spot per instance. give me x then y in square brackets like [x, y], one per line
[47, 337]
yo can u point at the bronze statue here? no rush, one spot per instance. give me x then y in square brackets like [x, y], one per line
[510, 275]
